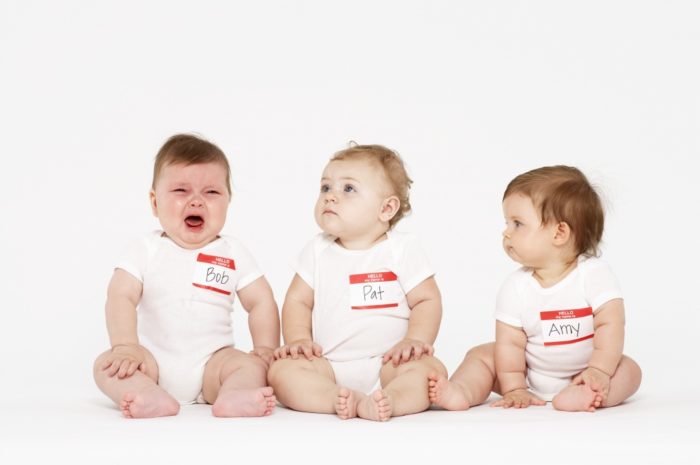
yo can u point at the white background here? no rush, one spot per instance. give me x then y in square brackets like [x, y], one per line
[469, 93]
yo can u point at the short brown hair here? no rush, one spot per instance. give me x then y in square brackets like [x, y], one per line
[563, 193]
[190, 150]
[394, 170]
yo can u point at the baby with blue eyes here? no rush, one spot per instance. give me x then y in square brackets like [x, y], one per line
[363, 309]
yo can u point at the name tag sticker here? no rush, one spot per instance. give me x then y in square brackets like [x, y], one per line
[561, 327]
[373, 291]
[213, 273]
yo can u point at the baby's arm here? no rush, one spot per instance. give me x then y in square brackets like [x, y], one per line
[123, 295]
[296, 322]
[263, 319]
[511, 367]
[608, 341]
[425, 303]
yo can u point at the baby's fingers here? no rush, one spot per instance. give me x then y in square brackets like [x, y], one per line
[318, 351]
[396, 357]
[133, 366]
[308, 351]
[123, 369]
[406, 354]
[111, 369]
[294, 351]
[418, 351]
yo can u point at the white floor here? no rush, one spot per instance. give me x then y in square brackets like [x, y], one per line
[649, 428]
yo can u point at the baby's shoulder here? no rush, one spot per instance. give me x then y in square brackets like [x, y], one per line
[593, 265]
[516, 280]
[319, 243]
[401, 241]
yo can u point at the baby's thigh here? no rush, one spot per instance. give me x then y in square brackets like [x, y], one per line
[223, 363]
[150, 364]
[286, 368]
[424, 366]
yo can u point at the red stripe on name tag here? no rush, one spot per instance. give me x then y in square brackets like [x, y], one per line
[374, 307]
[559, 343]
[566, 314]
[214, 260]
[372, 277]
[220, 291]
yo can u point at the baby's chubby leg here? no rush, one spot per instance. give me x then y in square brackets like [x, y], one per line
[582, 398]
[405, 387]
[138, 395]
[304, 385]
[471, 384]
[236, 384]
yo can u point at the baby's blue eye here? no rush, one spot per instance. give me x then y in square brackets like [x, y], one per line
[348, 188]
[325, 188]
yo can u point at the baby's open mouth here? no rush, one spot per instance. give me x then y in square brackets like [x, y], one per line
[194, 221]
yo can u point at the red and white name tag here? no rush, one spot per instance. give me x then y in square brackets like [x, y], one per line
[213, 273]
[372, 291]
[566, 326]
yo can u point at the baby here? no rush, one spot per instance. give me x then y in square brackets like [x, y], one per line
[363, 309]
[560, 318]
[183, 281]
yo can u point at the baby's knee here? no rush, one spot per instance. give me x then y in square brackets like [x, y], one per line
[630, 371]
[277, 370]
[98, 367]
[256, 364]
[483, 352]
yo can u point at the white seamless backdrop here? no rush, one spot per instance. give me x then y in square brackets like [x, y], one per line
[469, 93]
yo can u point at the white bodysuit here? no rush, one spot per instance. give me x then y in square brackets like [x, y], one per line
[360, 309]
[184, 315]
[558, 320]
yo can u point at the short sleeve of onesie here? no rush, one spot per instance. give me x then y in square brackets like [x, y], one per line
[245, 263]
[304, 266]
[599, 283]
[509, 303]
[135, 260]
[413, 266]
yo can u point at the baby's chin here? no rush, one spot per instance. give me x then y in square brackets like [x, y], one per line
[192, 241]
[513, 256]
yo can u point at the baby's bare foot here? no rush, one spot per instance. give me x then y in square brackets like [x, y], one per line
[577, 398]
[257, 402]
[377, 406]
[150, 403]
[346, 403]
[445, 393]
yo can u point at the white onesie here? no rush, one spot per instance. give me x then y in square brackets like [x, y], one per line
[360, 309]
[184, 315]
[558, 320]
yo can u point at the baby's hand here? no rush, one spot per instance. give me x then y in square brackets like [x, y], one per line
[124, 360]
[518, 398]
[265, 353]
[305, 347]
[597, 380]
[407, 350]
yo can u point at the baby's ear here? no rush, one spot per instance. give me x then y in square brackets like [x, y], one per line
[562, 233]
[154, 203]
[390, 207]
